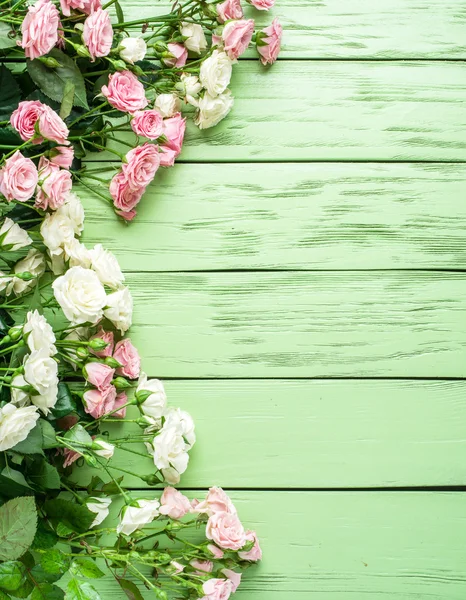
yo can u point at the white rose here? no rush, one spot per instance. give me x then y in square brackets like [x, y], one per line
[169, 451]
[81, 295]
[211, 110]
[194, 38]
[215, 73]
[154, 405]
[141, 513]
[57, 262]
[105, 264]
[19, 398]
[38, 333]
[167, 105]
[99, 506]
[5, 280]
[12, 237]
[48, 399]
[103, 449]
[56, 230]
[15, 424]
[132, 49]
[77, 254]
[40, 370]
[176, 417]
[73, 209]
[34, 263]
[119, 309]
[191, 86]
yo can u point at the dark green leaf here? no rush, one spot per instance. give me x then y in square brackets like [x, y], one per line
[65, 402]
[44, 475]
[10, 95]
[40, 576]
[47, 591]
[12, 575]
[85, 567]
[28, 560]
[4, 596]
[32, 444]
[9, 137]
[24, 591]
[111, 487]
[53, 81]
[131, 590]
[94, 484]
[45, 537]
[21, 212]
[67, 102]
[55, 562]
[119, 12]
[75, 516]
[18, 523]
[77, 590]
[49, 438]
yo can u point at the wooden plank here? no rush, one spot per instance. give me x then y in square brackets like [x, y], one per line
[365, 111]
[315, 434]
[291, 324]
[402, 546]
[291, 216]
[358, 29]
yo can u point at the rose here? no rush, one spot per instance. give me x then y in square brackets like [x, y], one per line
[217, 589]
[183, 421]
[103, 449]
[217, 501]
[148, 123]
[99, 402]
[125, 92]
[106, 336]
[99, 506]
[40, 29]
[170, 453]
[127, 355]
[141, 166]
[177, 55]
[215, 551]
[85, 6]
[105, 264]
[18, 178]
[120, 402]
[167, 104]
[12, 236]
[234, 577]
[179, 568]
[236, 37]
[19, 397]
[173, 504]
[212, 109]
[132, 49]
[40, 370]
[51, 126]
[73, 209]
[126, 215]
[194, 38]
[25, 117]
[191, 86]
[81, 295]
[119, 309]
[268, 42]
[15, 424]
[77, 254]
[38, 333]
[62, 156]
[124, 197]
[167, 157]
[138, 514]
[215, 72]
[173, 130]
[99, 375]
[98, 33]
[262, 4]
[206, 566]
[56, 230]
[230, 9]
[154, 399]
[226, 530]
[54, 184]
[48, 399]
[34, 263]
[70, 457]
[255, 553]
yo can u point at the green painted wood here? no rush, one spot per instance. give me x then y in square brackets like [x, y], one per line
[357, 29]
[291, 324]
[304, 110]
[316, 434]
[321, 546]
[291, 216]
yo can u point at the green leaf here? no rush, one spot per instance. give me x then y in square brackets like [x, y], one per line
[40, 576]
[75, 516]
[11, 93]
[67, 102]
[79, 436]
[5, 40]
[13, 483]
[65, 402]
[85, 567]
[131, 590]
[32, 444]
[45, 537]
[44, 475]
[52, 82]
[47, 591]
[77, 590]
[119, 12]
[9, 137]
[4, 596]
[24, 591]
[55, 562]
[12, 575]
[49, 438]
[18, 524]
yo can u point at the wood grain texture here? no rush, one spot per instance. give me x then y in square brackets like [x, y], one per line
[291, 216]
[356, 29]
[321, 546]
[290, 324]
[304, 110]
[315, 434]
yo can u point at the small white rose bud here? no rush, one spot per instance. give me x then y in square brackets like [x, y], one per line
[132, 49]
[103, 449]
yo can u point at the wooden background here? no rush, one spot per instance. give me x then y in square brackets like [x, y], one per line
[299, 284]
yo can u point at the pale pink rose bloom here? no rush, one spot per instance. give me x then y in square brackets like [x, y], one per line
[217, 501]
[126, 215]
[236, 37]
[179, 568]
[120, 401]
[141, 166]
[99, 403]
[205, 566]
[234, 577]
[215, 551]
[127, 355]
[25, 117]
[106, 336]
[226, 530]
[18, 178]
[51, 126]
[98, 33]
[125, 92]
[148, 123]
[262, 4]
[99, 375]
[70, 457]
[85, 6]
[230, 9]
[272, 37]
[124, 198]
[62, 156]
[173, 130]
[255, 553]
[54, 185]
[173, 504]
[217, 589]
[40, 29]
[179, 55]
[167, 156]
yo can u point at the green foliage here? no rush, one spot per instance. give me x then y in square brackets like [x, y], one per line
[43, 474]
[130, 589]
[18, 524]
[77, 590]
[75, 516]
[11, 93]
[67, 102]
[47, 591]
[12, 575]
[6, 41]
[85, 567]
[65, 404]
[13, 483]
[55, 562]
[45, 537]
[32, 444]
[49, 438]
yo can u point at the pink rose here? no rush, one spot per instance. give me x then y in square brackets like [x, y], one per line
[215, 551]
[234, 577]
[141, 166]
[217, 589]
[126, 215]
[179, 55]
[127, 355]
[98, 33]
[217, 501]
[99, 403]
[255, 553]
[25, 117]
[99, 375]
[51, 126]
[125, 92]
[226, 530]
[230, 9]
[269, 42]
[148, 123]
[167, 156]
[173, 130]
[54, 184]
[120, 401]
[70, 457]
[236, 36]
[207, 566]
[18, 178]
[124, 198]
[262, 4]
[173, 504]
[40, 29]
[179, 568]
[106, 336]
[62, 156]
[85, 6]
